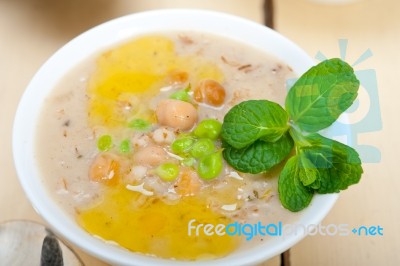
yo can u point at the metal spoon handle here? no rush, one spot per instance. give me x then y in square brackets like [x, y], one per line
[51, 252]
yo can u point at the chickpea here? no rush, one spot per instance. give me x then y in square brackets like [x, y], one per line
[189, 183]
[177, 76]
[105, 169]
[210, 92]
[176, 114]
[150, 156]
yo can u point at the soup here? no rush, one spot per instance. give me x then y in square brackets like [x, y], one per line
[128, 145]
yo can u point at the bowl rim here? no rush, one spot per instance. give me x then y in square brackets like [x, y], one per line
[121, 29]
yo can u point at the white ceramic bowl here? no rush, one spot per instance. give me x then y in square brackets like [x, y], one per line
[104, 36]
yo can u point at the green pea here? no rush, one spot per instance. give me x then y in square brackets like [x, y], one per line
[208, 128]
[125, 146]
[202, 147]
[182, 145]
[210, 166]
[104, 143]
[167, 171]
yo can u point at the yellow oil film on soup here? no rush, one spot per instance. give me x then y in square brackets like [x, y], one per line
[127, 77]
[154, 227]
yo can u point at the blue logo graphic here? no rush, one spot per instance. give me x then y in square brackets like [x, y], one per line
[371, 120]
[368, 230]
[367, 113]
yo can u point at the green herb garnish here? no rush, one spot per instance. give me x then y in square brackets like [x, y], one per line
[139, 124]
[259, 134]
[260, 156]
[251, 120]
[292, 193]
[182, 95]
[324, 92]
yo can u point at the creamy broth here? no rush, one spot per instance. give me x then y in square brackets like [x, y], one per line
[74, 117]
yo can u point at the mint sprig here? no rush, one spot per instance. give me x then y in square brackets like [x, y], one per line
[259, 134]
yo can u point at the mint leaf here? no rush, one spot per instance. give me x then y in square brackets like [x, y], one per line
[339, 165]
[321, 94]
[293, 195]
[251, 120]
[260, 156]
[316, 184]
[308, 172]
